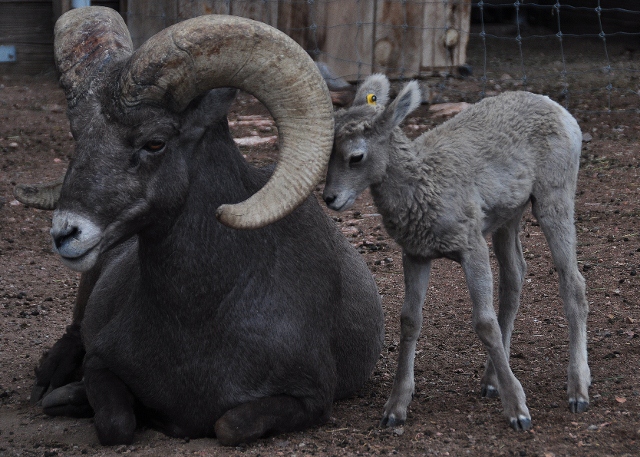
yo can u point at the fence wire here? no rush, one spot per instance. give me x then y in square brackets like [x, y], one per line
[585, 54]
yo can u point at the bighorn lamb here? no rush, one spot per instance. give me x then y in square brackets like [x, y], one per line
[441, 194]
[196, 327]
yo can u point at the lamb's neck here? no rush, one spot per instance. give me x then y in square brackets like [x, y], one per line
[405, 197]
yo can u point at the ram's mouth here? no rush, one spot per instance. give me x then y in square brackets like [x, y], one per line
[81, 261]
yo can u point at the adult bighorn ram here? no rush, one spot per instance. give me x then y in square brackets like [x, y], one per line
[199, 328]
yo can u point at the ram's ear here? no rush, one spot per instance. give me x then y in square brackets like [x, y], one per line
[404, 104]
[212, 107]
[373, 91]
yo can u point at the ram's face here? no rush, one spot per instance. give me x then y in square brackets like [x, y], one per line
[124, 166]
[128, 108]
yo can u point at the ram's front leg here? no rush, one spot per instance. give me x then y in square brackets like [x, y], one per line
[112, 402]
[416, 282]
[62, 364]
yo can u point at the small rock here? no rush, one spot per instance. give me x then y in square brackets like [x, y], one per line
[398, 431]
[586, 137]
[13, 145]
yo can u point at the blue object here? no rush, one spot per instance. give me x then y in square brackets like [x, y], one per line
[80, 3]
[7, 53]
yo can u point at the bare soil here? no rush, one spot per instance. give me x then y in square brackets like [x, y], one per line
[447, 415]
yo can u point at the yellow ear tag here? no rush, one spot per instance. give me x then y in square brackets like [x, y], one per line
[371, 99]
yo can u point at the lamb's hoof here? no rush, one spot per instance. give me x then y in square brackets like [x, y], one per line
[489, 391]
[391, 421]
[576, 406]
[521, 423]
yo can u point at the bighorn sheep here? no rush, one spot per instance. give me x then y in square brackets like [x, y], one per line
[198, 328]
[441, 194]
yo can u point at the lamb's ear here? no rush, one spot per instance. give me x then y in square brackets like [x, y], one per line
[373, 91]
[407, 100]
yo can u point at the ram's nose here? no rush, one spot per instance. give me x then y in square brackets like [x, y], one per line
[76, 239]
[63, 235]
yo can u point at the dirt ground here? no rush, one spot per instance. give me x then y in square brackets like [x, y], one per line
[447, 415]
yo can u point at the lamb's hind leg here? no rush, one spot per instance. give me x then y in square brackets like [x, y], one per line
[416, 281]
[555, 215]
[513, 267]
[477, 270]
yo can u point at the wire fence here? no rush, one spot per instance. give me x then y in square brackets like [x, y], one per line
[583, 53]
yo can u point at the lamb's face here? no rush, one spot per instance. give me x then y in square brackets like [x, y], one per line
[356, 162]
[362, 139]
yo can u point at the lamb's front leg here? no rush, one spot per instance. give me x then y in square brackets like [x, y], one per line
[477, 270]
[416, 281]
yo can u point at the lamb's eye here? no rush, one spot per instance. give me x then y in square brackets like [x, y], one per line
[371, 99]
[356, 159]
[154, 146]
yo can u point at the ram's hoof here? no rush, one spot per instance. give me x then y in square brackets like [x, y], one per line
[70, 400]
[37, 392]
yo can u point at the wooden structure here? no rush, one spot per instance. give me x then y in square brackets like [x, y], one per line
[354, 37]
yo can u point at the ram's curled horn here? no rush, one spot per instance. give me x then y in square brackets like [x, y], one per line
[188, 59]
[86, 39]
[40, 196]
[194, 56]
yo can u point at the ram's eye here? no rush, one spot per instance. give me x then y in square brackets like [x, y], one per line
[154, 146]
[356, 159]
[371, 99]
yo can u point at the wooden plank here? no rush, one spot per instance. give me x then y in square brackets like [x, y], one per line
[294, 21]
[145, 18]
[344, 34]
[253, 9]
[398, 38]
[445, 34]
[257, 10]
